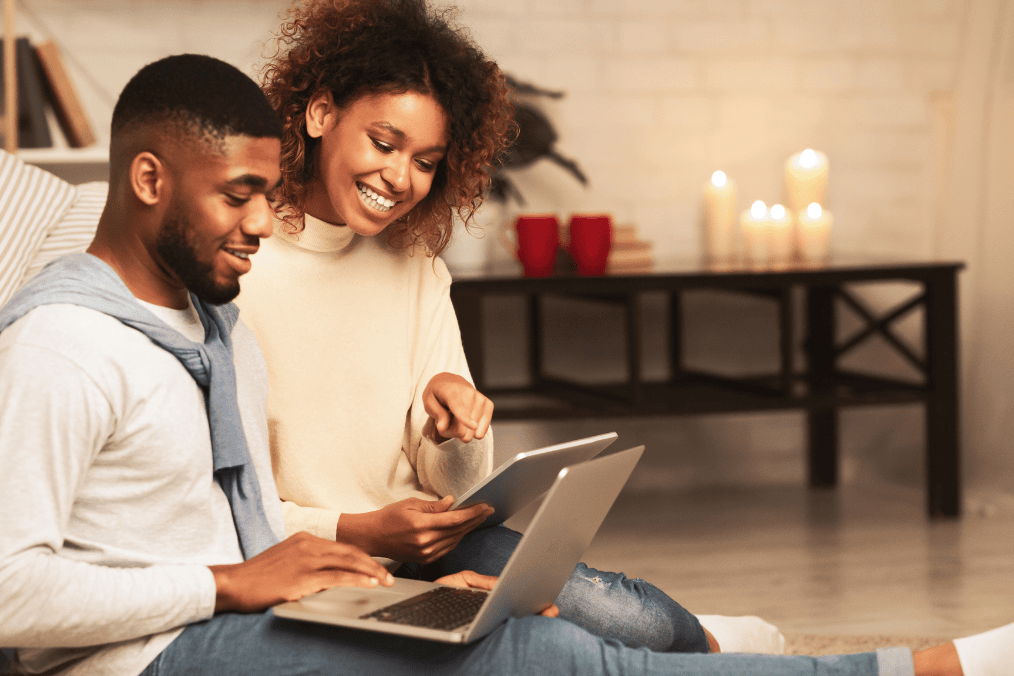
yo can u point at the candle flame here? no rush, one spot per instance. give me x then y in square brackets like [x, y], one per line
[758, 209]
[808, 158]
[778, 212]
[814, 211]
[718, 179]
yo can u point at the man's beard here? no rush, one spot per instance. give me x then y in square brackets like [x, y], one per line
[178, 254]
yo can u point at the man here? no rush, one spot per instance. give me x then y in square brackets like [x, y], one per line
[113, 518]
[140, 529]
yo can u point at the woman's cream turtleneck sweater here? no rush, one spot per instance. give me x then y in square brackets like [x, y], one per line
[353, 330]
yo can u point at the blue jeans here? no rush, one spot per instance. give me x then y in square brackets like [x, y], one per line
[610, 605]
[261, 644]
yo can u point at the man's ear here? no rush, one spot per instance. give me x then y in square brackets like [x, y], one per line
[321, 113]
[148, 178]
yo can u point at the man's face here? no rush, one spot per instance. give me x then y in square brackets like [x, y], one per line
[218, 214]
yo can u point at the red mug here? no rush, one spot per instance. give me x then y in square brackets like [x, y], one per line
[538, 239]
[590, 239]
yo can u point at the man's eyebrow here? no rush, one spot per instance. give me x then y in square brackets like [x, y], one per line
[387, 126]
[250, 181]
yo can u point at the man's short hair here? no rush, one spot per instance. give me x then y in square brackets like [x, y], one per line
[205, 98]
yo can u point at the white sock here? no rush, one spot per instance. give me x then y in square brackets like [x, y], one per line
[744, 634]
[988, 654]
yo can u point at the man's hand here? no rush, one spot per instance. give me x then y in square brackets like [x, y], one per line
[419, 531]
[301, 565]
[468, 579]
[457, 410]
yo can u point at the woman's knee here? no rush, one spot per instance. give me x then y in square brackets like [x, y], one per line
[632, 611]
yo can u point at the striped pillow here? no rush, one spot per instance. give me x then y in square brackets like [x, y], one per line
[31, 202]
[75, 230]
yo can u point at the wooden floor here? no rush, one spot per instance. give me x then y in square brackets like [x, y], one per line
[851, 562]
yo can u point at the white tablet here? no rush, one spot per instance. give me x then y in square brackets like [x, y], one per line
[528, 475]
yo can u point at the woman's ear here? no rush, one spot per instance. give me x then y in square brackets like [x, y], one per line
[148, 178]
[321, 114]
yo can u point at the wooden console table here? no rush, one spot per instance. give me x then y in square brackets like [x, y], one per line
[820, 390]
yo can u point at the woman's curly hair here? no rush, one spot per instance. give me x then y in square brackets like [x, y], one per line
[358, 47]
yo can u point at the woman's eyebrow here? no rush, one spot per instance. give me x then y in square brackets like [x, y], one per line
[387, 126]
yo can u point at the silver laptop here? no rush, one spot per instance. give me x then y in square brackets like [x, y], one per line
[541, 564]
[528, 475]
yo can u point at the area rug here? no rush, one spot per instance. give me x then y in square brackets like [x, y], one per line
[811, 644]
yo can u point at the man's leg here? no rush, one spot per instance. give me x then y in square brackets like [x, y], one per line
[609, 605]
[262, 645]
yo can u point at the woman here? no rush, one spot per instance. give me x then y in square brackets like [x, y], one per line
[393, 121]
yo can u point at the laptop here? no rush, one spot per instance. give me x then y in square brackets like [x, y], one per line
[543, 561]
[528, 475]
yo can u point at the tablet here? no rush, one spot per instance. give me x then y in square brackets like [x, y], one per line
[528, 475]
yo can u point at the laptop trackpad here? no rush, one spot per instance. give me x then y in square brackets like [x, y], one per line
[356, 601]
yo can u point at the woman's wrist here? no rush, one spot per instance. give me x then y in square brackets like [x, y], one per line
[353, 529]
[429, 431]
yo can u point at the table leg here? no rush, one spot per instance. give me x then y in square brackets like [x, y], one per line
[534, 302]
[943, 457]
[468, 308]
[787, 330]
[633, 330]
[675, 336]
[822, 423]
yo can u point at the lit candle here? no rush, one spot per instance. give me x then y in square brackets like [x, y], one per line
[720, 217]
[806, 178]
[754, 224]
[780, 239]
[814, 233]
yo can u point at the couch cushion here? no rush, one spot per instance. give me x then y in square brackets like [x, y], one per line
[72, 232]
[31, 202]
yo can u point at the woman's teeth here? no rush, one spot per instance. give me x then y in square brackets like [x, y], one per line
[373, 200]
[239, 254]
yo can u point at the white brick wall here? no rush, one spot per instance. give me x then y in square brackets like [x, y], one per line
[738, 85]
[686, 85]
[106, 41]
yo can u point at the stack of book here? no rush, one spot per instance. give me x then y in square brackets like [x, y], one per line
[628, 254]
[42, 84]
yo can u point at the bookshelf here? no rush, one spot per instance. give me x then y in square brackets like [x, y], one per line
[49, 87]
[10, 81]
[96, 154]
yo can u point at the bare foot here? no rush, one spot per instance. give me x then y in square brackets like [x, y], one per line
[712, 642]
[939, 661]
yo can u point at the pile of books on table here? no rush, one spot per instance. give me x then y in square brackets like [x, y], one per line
[43, 85]
[628, 254]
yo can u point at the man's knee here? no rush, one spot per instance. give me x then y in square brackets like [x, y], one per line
[542, 645]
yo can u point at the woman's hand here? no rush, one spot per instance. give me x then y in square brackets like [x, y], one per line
[412, 529]
[457, 410]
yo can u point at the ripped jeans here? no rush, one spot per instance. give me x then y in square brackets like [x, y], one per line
[232, 644]
[609, 605]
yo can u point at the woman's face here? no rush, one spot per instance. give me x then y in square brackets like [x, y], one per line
[377, 157]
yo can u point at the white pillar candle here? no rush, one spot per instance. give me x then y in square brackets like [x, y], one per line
[780, 239]
[720, 218]
[814, 233]
[754, 226]
[806, 179]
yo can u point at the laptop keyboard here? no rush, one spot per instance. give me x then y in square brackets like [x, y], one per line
[441, 608]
